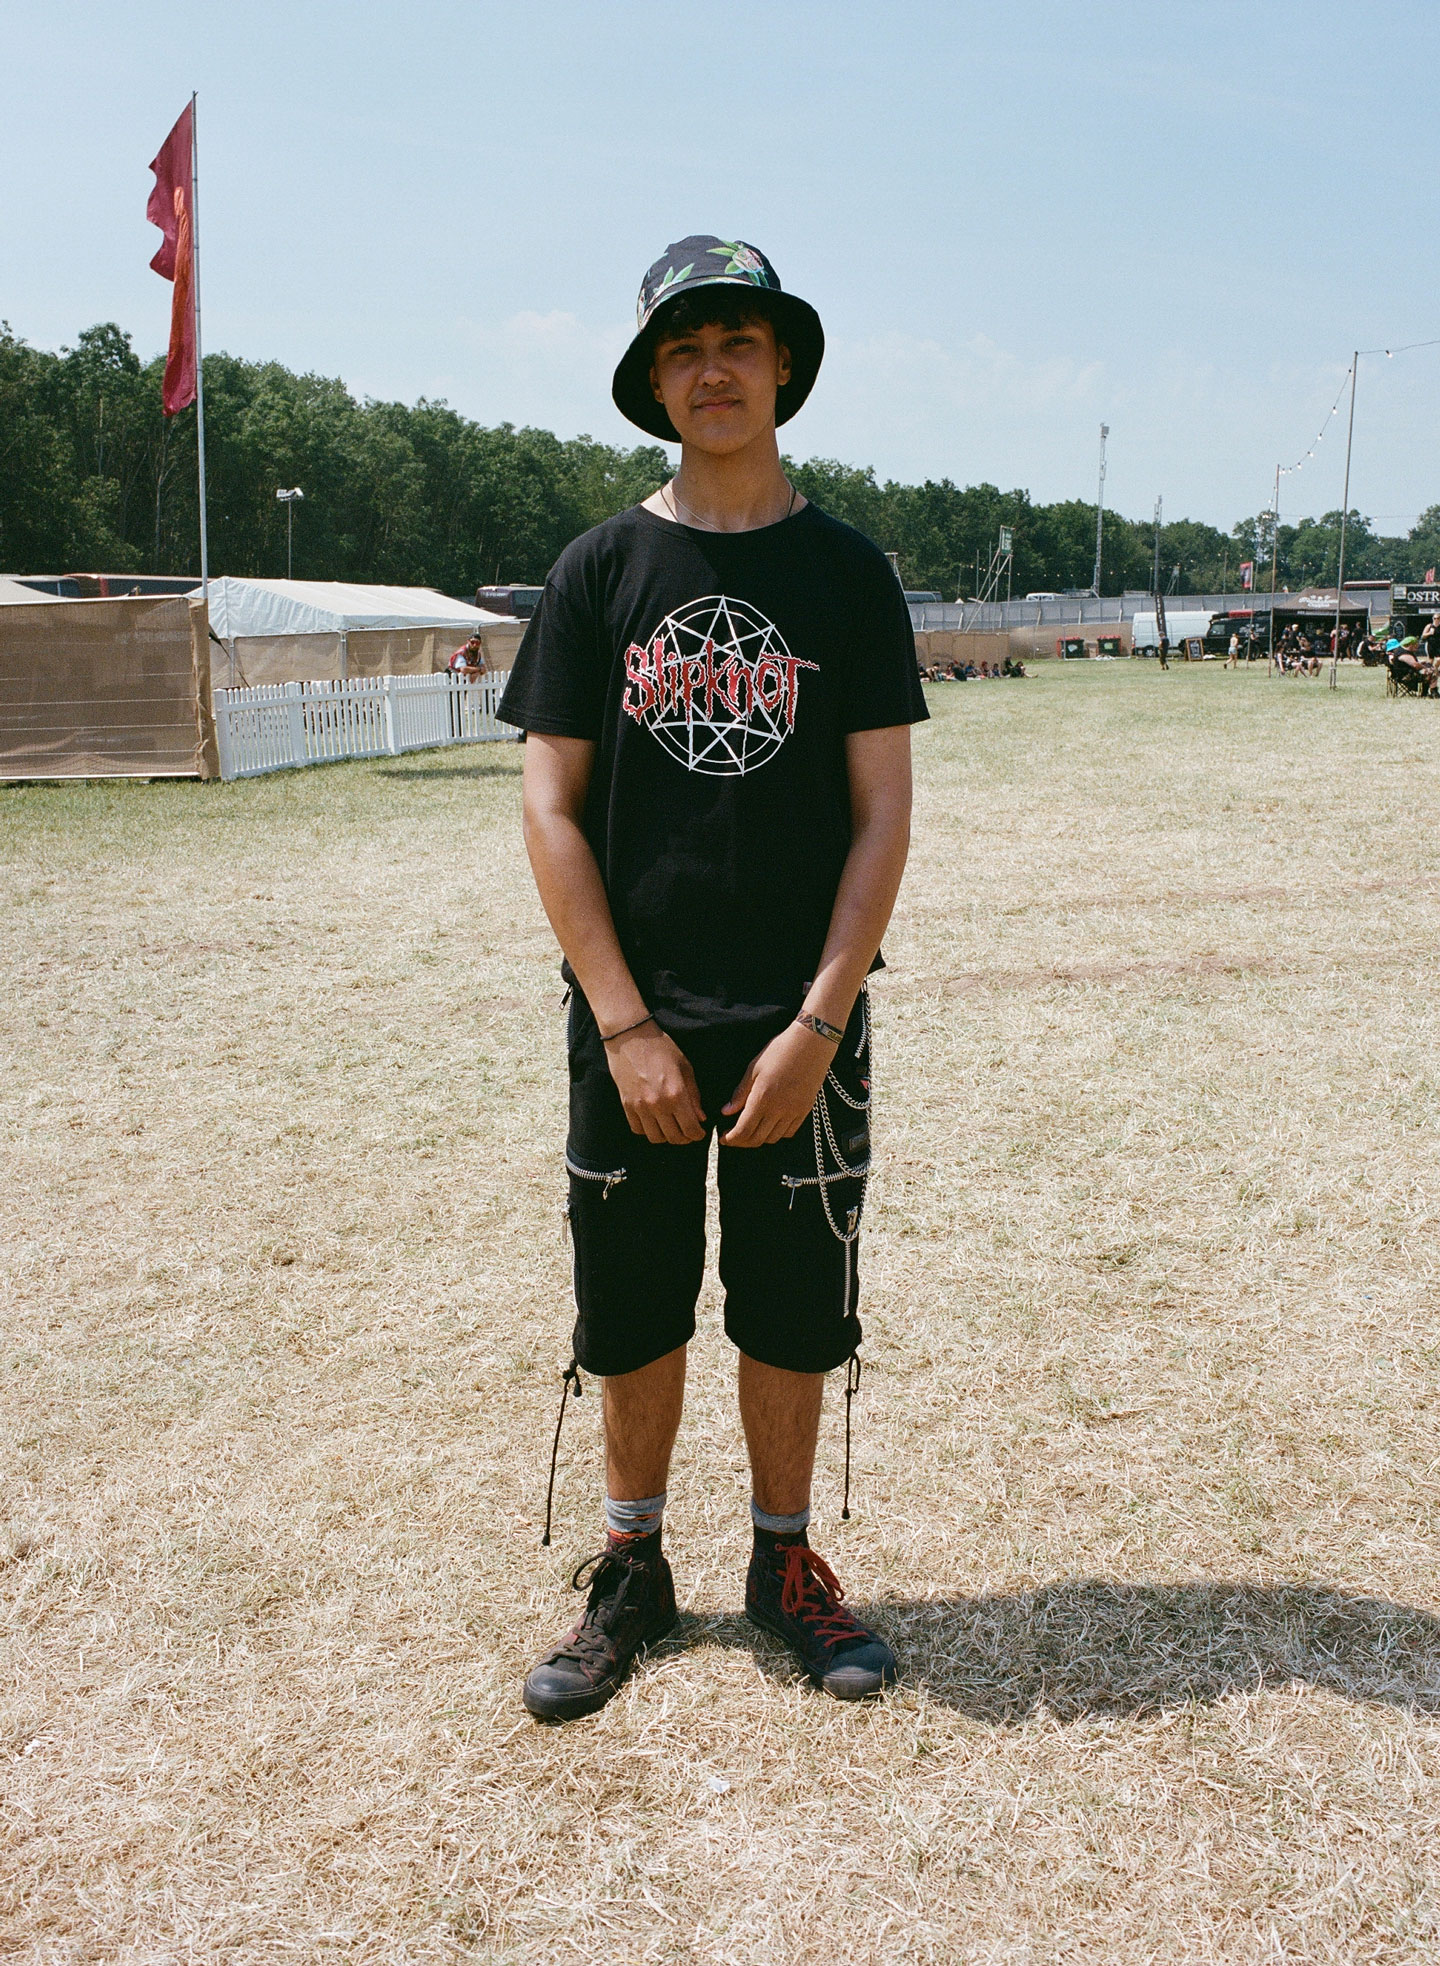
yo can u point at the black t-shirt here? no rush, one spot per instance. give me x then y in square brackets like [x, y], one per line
[718, 675]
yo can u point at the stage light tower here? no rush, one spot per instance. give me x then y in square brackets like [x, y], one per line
[287, 499]
[1100, 509]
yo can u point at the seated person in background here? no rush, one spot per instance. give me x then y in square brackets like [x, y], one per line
[1404, 666]
[468, 661]
[957, 673]
[1412, 649]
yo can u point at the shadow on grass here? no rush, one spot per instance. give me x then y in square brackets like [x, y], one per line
[437, 772]
[1087, 1648]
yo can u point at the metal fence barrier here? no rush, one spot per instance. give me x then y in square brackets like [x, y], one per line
[278, 725]
[1081, 610]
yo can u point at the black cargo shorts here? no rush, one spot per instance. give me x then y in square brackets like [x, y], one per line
[789, 1213]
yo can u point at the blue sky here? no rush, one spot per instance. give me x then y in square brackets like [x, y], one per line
[1016, 221]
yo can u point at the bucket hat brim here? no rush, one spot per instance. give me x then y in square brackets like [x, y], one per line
[795, 321]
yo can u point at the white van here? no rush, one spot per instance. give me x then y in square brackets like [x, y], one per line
[1180, 626]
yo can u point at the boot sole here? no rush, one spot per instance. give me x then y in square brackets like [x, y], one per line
[842, 1684]
[578, 1705]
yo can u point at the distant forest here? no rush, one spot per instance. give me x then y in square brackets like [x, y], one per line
[93, 477]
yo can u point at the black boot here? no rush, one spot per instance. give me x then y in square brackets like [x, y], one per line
[632, 1605]
[793, 1593]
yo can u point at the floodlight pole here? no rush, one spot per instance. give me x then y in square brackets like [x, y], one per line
[287, 499]
[1100, 509]
[1274, 564]
[1344, 515]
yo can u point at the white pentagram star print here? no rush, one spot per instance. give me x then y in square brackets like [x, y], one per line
[716, 686]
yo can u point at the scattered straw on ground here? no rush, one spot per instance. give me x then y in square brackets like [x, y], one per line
[1148, 1478]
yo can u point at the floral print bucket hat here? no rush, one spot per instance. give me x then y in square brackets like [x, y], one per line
[705, 261]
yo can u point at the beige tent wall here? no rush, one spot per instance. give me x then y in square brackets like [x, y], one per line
[106, 689]
[363, 652]
[402, 651]
[934, 645]
[500, 639]
[274, 659]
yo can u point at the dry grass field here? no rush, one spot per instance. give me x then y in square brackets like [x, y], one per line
[1148, 1460]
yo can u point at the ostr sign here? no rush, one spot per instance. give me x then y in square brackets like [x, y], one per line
[1416, 597]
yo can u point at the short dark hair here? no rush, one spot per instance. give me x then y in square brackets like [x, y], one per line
[715, 306]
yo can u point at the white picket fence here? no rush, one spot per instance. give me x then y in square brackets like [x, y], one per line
[276, 725]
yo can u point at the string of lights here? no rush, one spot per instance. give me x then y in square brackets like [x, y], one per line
[1289, 470]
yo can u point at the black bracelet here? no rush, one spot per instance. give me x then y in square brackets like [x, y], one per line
[819, 1027]
[648, 1018]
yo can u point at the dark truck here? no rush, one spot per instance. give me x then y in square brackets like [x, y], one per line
[1315, 617]
[519, 601]
[1244, 622]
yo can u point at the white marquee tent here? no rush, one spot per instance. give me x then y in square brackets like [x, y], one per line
[280, 631]
[14, 593]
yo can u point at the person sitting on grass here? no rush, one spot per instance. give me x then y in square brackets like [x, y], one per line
[718, 686]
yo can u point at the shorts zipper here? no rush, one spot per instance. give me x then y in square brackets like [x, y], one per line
[611, 1180]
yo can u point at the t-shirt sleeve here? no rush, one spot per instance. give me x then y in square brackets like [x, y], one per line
[884, 682]
[557, 683]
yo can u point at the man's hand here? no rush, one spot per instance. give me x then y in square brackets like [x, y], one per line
[657, 1087]
[779, 1088]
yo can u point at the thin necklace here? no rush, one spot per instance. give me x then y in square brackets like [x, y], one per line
[678, 505]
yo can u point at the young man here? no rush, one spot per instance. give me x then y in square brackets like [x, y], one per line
[717, 689]
[468, 661]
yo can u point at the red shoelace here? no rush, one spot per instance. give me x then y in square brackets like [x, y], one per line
[812, 1593]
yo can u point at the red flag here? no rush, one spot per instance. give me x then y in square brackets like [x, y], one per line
[1247, 575]
[1429, 576]
[171, 207]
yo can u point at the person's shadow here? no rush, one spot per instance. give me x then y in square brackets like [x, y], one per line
[1090, 1647]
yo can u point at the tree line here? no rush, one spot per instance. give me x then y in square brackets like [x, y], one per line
[94, 477]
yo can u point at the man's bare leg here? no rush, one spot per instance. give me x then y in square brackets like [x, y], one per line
[789, 1590]
[780, 1412]
[632, 1594]
[642, 1418]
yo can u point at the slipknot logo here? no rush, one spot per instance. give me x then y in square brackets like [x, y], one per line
[716, 686]
[656, 678]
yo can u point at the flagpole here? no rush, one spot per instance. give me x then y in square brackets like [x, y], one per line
[199, 357]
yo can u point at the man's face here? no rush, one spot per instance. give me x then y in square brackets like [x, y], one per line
[718, 384]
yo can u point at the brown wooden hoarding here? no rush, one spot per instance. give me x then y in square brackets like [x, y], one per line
[106, 689]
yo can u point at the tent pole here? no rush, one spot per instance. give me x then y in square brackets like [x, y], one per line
[199, 358]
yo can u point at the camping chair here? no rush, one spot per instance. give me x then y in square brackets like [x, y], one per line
[1402, 679]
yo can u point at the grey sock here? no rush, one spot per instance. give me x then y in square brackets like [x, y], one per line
[634, 1518]
[779, 1525]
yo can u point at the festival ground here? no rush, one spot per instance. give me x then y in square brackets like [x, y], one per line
[1148, 1442]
